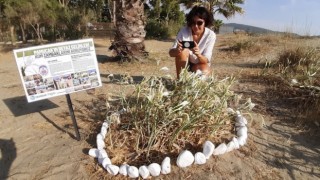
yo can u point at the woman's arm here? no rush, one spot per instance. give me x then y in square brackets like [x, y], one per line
[196, 51]
[207, 52]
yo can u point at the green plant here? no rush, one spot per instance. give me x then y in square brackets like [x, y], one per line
[156, 30]
[163, 114]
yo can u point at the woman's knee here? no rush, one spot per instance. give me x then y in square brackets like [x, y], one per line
[204, 68]
[183, 55]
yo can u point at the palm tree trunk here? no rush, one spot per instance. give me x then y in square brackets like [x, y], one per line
[130, 34]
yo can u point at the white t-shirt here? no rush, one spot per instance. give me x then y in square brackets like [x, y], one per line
[205, 44]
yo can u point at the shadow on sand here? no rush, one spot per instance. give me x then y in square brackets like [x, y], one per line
[19, 106]
[8, 155]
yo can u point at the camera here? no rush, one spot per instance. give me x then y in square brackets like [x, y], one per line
[188, 44]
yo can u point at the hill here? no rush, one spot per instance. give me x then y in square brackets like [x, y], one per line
[234, 27]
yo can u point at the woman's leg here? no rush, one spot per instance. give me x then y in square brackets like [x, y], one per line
[181, 61]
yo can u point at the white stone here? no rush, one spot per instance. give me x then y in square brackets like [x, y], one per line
[165, 94]
[240, 120]
[242, 131]
[144, 172]
[154, 169]
[105, 124]
[100, 136]
[133, 172]
[185, 159]
[221, 149]
[230, 146]
[242, 140]
[112, 169]
[106, 161]
[200, 158]
[124, 169]
[240, 124]
[102, 154]
[164, 69]
[103, 131]
[236, 143]
[123, 110]
[94, 152]
[208, 148]
[100, 144]
[294, 81]
[166, 166]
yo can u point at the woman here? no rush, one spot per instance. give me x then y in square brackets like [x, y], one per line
[199, 56]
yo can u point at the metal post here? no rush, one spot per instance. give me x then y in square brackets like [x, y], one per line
[74, 121]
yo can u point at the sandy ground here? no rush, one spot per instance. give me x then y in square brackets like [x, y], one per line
[37, 139]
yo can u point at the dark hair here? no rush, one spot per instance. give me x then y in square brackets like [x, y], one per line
[202, 13]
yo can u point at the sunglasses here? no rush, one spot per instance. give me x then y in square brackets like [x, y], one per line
[198, 23]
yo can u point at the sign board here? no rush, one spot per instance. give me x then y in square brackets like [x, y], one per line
[58, 69]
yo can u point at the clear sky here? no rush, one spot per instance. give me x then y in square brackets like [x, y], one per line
[297, 16]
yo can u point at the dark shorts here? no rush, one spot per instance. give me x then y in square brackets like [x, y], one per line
[190, 65]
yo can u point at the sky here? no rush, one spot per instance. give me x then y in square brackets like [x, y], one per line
[296, 16]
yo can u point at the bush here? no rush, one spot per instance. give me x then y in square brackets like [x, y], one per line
[299, 71]
[301, 63]
[163, 115]
[156, 30]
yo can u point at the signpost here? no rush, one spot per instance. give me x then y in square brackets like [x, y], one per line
[58, 69]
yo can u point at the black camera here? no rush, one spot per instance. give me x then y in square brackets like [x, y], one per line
[188, 44]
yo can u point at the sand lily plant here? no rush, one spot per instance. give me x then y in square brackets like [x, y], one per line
[165, 115]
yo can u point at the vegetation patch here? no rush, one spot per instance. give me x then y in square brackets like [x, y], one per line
[162, 117]
[299, 70]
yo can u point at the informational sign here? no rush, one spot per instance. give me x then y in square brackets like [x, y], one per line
[58, 69]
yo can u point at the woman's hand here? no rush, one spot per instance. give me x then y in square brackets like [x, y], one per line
[176, 51]
[179, 47]
[196, 50]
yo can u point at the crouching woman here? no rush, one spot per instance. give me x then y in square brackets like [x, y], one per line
[194, 43]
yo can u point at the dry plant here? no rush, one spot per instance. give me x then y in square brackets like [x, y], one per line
[244, 44]
[299, 70]
[163, 116]
[300, 63]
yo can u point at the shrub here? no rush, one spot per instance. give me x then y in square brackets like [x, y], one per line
[156, 30]
[299, 70]
[301, 63]
[242, 45]
[163, 115]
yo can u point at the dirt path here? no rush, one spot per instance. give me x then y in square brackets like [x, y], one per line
[36, 140]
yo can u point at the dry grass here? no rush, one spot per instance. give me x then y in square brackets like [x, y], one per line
[298, 68]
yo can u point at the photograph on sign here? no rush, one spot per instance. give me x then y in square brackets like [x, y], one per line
[58, 69]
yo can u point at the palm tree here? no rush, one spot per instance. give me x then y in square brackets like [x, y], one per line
[129, 34]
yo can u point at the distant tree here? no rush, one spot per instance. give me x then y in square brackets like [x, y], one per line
[129, 34]
[164, 18]
[14, 11]
[111, 6]
[48, 17]
[164, 10]
[33, 13]
[171, 10]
